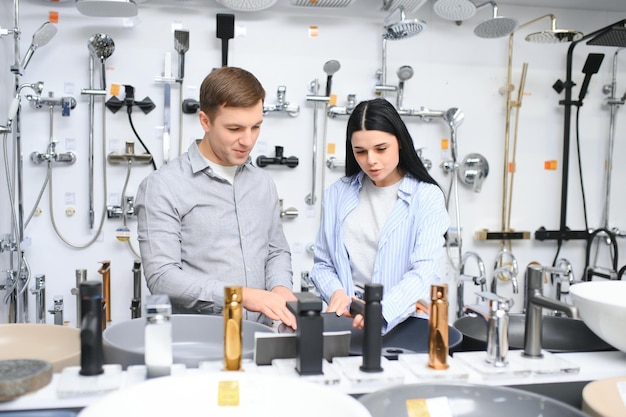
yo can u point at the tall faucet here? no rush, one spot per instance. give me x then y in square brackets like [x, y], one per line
[105, 270]
[39, 290]
[481, 280]
[509, 271]
[534, 302]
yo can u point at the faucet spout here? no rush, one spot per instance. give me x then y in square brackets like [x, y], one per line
[505, 272]
[480, 279]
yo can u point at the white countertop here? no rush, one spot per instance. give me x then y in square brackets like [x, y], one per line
[344, 375]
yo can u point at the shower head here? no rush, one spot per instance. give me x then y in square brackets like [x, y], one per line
[555, 36]
[497, 26]
[404, 28]
[455, 10]
[107, 8]
[101, 46]
[40, 38]
[247, 5]
[330, 68]
[404, 73]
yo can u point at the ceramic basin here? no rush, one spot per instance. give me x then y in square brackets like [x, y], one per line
[59, 345]
[602, 306]
[195, 338]
[466, 400]
[559, 334]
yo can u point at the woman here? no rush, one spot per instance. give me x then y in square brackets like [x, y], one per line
[384, 222]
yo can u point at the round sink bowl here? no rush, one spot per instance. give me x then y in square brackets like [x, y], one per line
[195, 339]
[466, 400]
[559, 334]
[58, 345]
[226, 394]
[602, 306]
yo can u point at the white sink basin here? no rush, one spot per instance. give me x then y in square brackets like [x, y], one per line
[602, 306]
[58, 345]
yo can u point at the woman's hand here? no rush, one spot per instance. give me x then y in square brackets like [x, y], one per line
[339, 303]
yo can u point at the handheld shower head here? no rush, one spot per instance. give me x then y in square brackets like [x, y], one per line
[455, 10]
[330, 68]
[40, 38]
[404, 28]
[496, 26]
[107, 8]
[101, 46]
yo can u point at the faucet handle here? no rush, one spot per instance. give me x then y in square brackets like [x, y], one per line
[496, 302]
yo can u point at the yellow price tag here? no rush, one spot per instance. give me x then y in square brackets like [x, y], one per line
[228, 394]
[417, 408]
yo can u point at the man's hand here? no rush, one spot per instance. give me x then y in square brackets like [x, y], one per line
[271, 303]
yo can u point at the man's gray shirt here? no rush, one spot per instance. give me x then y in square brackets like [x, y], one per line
[198, 233]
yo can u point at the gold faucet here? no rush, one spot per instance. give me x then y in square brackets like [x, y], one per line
[105, 270]
[438, 327]
[232, 328]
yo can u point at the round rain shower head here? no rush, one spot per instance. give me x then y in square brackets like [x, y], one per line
[101, 46]
[555, 36]
[403, 29]
[455, 10]
[107, 8]
[495, 27]
[405, 72]
[247, 5]
[331, 67]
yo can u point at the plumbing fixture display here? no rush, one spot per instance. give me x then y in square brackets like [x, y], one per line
[114, 104]
[334, 111]
[233, 311]
[181, 44]
[455, 10]
[496, 26]
[135, 303]
[372, 338]
[310, 327]
[281, 105]
[504, 270]
[39, 290]
[91, 351]
[480, 279]
[40, 38]
[101, 47]
[105, 271]
[289, 212]
[57, 310]
[158, 336]
[534, 302]
[107, 8]
[395, 31]
[610, 36]
[81, 276]
[263, 161]
[225, 30]
[438, 327]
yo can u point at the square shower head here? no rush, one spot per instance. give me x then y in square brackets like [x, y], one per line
[614, 36]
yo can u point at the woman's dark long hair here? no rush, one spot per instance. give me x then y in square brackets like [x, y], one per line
[379, 114]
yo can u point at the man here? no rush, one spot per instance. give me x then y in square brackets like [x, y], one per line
[211, 219]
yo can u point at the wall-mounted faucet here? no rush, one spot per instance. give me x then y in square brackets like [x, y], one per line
[334, 111]
[291, 161]
[534, 302]
[81, 276]
[480, 279]
[51, 155]
[282, 105]
[129, 156]
[473, 170]
[290, 212]
[505, 272]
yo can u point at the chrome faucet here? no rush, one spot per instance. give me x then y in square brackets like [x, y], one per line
[534, 302]
[481, 279]
[562, 277]
[39, 290]
[497, 319]
[506, 273]
[57, 310]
